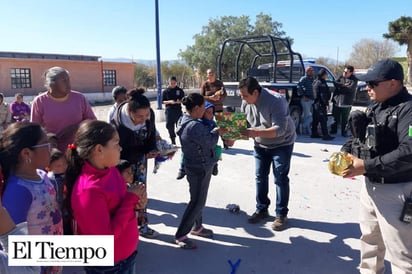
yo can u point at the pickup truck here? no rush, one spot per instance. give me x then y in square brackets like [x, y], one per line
[272, 62]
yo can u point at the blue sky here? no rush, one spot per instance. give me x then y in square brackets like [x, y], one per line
[126, 28]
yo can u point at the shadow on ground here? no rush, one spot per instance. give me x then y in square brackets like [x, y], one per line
[260, 252]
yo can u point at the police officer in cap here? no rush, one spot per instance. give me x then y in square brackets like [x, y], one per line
[386, 162]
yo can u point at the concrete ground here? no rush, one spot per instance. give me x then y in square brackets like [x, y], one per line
[323, 228]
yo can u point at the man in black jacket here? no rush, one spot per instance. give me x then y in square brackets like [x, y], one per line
[387, 166]
[345, 88]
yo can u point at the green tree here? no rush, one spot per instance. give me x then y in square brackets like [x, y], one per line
[203, 54]
[144, 76]
[400, 31]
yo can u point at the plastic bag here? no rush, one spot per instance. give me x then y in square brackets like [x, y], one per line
[338, 162]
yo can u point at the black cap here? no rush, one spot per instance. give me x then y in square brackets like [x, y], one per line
[383, 70]
[173, 78]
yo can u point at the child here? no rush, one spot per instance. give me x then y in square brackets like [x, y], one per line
[126, 170]
[55, 171]
[8, 227]
[28, 192]
[198, 145]
[208, 121]
[97, 195]
[119, 96]
[19, 110]
[52, 139]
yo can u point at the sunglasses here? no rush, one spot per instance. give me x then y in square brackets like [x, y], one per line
[373, 84]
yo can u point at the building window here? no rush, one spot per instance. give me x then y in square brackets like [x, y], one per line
[109, 77]
[20, 78]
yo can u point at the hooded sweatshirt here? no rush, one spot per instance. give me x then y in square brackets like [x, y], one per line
[102, 206]
[198, 143]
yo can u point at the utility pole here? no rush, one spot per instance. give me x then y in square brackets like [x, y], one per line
[337, 61]
[159, 68]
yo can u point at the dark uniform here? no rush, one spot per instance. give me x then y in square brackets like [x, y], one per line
[381, 138]
[322, 96]
[173, 111]
[387, 126]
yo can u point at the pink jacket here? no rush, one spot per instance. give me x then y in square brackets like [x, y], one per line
[102, 206]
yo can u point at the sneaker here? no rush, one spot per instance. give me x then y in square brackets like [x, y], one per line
[258, 216]
[327, 138]
[147, 232]
[202, 232]
[315, 136]
[185, 243]
[180, 175]
[215, 170]
[279, 223]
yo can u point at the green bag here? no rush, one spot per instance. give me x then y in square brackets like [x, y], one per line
[218, 150]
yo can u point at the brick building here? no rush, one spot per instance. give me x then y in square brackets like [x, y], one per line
[23, 72]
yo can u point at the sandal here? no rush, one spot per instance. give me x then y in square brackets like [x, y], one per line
[147, 232]
[203, 232]
[185, 243]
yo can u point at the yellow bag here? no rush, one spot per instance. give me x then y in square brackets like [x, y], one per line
[338, 162]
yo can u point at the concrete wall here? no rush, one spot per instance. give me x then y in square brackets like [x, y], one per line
[85, 76]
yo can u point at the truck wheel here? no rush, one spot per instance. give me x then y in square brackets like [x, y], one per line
[296, 114]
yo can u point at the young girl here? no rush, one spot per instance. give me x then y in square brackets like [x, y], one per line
[28, 195]
[198, 146]
[97, 195]
[126, 170]
[55, 171]
[7, 228]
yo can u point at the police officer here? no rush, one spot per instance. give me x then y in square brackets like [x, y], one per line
[387, 167]
[171, 98]
[320, 107]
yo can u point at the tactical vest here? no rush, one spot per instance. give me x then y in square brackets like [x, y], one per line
[374, 133]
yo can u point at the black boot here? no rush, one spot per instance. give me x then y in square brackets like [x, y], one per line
[181, 174]
[173, 139]
[215, 170]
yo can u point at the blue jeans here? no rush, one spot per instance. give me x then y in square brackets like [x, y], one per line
[306, 114]
[280, 158]
[127, 266]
